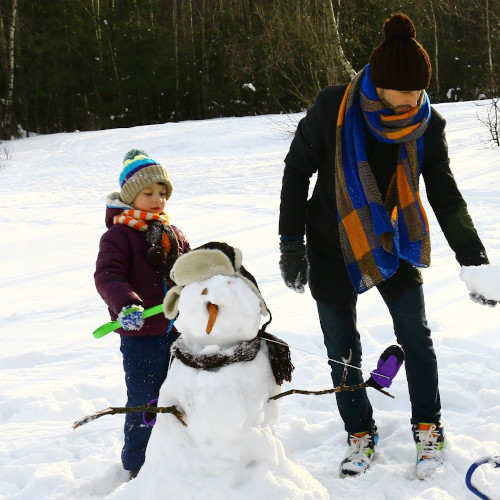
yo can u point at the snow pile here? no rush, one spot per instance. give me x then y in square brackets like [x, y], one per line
[484, 280]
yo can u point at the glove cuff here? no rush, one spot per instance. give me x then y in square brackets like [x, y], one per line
[298, 237]
[292, 247]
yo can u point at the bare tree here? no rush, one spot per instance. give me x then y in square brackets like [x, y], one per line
[189, 54]
[175, 30]
[203, 59]
[434, 25]
[340, 68]
[96, 7]
[489, 45]
[492, 121]
[3, 50]
[9, 102]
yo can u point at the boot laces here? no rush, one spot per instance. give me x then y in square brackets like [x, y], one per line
[359, 446]
[427, 442]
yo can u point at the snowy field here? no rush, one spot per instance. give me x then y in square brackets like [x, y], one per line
[227, 180]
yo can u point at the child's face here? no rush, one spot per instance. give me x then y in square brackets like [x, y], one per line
[152, 198]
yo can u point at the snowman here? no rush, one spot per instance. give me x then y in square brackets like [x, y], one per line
[224, 371]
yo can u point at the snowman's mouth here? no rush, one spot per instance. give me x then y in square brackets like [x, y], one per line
[212, 316]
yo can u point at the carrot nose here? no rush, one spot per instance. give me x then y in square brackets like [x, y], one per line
[212, 316]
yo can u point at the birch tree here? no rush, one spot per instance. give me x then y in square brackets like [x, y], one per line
[340, 68]
[9, 101]
[489, 46]
[434, 25]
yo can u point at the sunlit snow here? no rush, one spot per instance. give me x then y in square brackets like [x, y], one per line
[227, 180]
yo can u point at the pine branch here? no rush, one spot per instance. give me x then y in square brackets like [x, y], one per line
[117, 410]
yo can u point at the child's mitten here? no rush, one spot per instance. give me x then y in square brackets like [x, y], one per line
[131, 317]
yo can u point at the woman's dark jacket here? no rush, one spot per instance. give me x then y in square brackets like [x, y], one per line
[313, 151]
[123, 276]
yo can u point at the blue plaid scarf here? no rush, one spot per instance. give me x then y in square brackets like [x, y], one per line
[375, 234]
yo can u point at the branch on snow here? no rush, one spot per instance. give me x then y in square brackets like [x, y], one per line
[340, 388]
[117, 410]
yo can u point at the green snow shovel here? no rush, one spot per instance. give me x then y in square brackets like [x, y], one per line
[114, 325]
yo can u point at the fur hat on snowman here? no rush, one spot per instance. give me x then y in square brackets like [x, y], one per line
[200, 265]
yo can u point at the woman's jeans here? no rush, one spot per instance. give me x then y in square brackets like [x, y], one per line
[412, 334]
[145, 361]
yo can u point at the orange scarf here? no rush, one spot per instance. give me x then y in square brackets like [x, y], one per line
[138, 219]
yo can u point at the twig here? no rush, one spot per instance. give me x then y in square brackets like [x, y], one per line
[114, 410]
[339, 388]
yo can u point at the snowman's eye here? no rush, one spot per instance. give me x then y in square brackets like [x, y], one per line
[204, 291]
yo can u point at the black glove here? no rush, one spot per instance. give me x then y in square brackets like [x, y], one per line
[293, 264]
[480, 299]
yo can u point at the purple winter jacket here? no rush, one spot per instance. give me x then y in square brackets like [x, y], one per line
[123, 275]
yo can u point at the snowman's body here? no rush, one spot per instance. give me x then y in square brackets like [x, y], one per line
[227, 450]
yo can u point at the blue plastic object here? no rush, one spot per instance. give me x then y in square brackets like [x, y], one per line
[494, 461]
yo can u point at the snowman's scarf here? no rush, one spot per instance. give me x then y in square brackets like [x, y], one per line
[278, 353]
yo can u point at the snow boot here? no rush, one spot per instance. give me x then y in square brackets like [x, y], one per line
[429, 438]
[360, 453]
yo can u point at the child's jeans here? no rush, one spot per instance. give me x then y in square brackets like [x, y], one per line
[145, 361]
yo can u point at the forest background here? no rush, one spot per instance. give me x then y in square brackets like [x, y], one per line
[95, 64]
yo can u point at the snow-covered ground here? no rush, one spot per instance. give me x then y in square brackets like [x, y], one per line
[227, 176]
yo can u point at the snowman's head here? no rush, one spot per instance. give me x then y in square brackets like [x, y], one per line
[215, 300]
[221, 310]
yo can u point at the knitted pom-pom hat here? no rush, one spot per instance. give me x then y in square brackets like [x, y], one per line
[139, 171]
[400, 62]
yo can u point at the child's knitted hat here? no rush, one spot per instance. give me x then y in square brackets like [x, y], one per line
[139, 170]
[400, 62]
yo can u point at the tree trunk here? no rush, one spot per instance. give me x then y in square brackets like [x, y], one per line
[436, 47]
[4, 65]
[151, 14]
[175, 29]
[96, 6]
[490, 51]
[340, 69]
[9, 126]
[190, 61]
[203, 60]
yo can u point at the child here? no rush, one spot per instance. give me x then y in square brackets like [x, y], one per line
[135, 256]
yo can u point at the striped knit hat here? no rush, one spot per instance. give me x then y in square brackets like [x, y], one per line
[139, 171]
